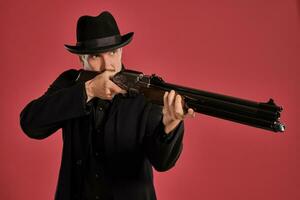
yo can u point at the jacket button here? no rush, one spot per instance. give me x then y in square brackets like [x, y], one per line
[97, 175]
[79, 162]
[97, 197]
[100, 108]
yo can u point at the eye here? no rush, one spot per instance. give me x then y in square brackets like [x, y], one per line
[113, 52]
[94, 56]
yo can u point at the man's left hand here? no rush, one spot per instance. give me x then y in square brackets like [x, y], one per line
[173, 112]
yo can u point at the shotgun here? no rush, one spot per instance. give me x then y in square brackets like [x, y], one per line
[257, 114]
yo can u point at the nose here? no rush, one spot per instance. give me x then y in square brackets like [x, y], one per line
[106, 62]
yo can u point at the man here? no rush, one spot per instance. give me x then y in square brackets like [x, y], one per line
[111, 140]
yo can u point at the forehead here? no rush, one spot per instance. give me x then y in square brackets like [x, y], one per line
[105, 52]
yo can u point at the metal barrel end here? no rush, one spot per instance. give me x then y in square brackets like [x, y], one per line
[279, 127]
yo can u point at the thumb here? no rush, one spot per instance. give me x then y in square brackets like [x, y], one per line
[109, 73]
[116, 89]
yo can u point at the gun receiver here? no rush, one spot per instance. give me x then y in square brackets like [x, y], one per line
[260, 115]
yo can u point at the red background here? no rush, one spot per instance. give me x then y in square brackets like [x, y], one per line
[249, 49]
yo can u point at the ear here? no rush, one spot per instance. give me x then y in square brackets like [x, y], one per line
[80, 59]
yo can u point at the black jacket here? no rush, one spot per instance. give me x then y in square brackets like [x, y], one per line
[134, 138]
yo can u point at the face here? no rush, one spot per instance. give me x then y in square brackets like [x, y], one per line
[110, 61]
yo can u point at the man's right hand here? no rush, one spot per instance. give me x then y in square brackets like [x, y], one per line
[102, 87]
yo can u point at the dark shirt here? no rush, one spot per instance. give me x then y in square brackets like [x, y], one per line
[95, 184]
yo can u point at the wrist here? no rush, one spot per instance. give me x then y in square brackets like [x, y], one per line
[89, 90]
[169, 127]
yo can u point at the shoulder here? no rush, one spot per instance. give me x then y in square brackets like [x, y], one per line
[70, 74]
[66, 78]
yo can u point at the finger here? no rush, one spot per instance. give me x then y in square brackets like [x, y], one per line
[115, 88]
[191, 112]
[109, 97]
[178, 107]
[171, 103]
[107, 92]
[171, 96]
[123, 91]
[165, 108]
[107, 74]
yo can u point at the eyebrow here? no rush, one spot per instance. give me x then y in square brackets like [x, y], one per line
[95, 54]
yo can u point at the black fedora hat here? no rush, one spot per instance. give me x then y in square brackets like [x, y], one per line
[98, 34]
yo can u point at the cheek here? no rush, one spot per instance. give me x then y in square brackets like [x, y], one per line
[94, 63]
[118, 63]
[119, 68]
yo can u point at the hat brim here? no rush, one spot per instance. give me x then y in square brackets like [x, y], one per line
[125, 39]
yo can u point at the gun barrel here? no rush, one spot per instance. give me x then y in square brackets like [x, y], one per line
[256, 114]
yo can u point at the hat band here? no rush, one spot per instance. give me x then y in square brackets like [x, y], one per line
[100, 42]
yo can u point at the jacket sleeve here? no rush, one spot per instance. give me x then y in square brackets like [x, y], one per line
[65, 99]
[163, 150]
